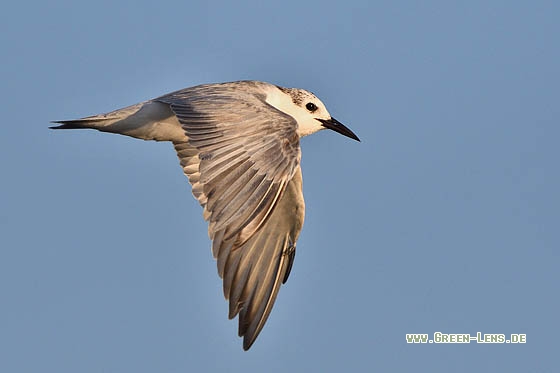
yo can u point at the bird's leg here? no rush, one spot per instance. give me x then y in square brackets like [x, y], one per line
[290, 253]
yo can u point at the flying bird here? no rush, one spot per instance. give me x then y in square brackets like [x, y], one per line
[238, 144]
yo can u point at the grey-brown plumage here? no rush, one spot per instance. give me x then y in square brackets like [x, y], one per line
[238, 144]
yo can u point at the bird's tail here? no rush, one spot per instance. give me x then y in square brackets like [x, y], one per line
[100, 122]
[148, 120]
[74, 124]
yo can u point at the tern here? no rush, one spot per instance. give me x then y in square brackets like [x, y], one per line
[238, 144]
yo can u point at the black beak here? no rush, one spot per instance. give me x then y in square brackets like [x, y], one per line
[336, 126]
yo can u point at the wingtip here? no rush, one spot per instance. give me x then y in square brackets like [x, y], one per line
[247, 343]
[66, 125]
[248, 339]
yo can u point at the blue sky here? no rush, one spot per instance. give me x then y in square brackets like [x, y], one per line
[444, 218]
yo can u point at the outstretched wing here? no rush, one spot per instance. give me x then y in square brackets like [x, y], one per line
[242, 159]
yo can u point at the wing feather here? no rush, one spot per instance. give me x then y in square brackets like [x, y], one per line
[242, 159]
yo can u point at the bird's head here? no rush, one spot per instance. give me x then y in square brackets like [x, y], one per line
[309, 112]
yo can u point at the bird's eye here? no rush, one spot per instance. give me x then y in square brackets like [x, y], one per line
[311, 106]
